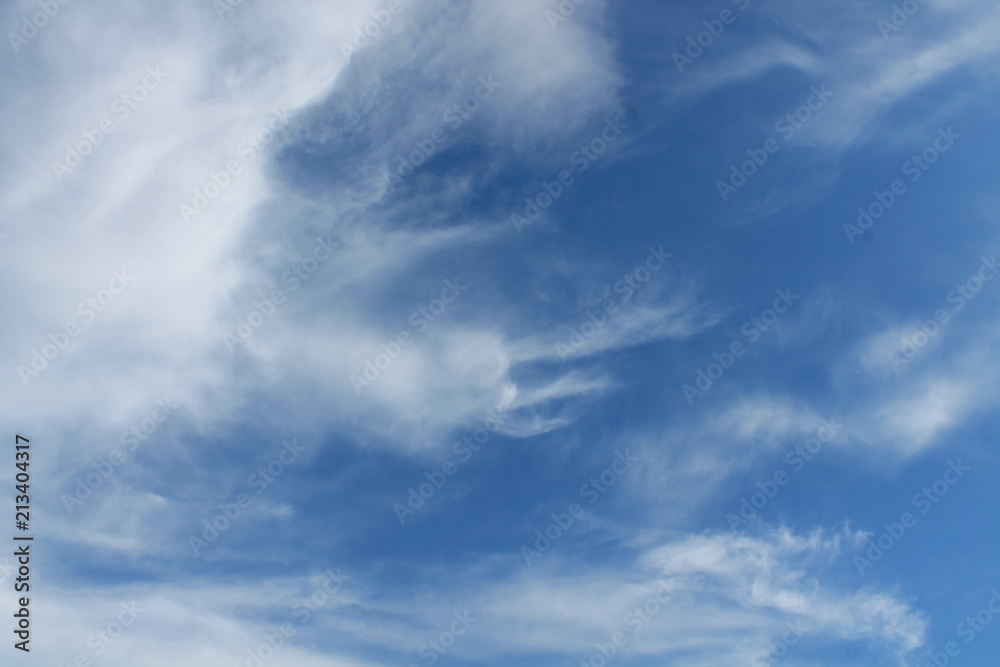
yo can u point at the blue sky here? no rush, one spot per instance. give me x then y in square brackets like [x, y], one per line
[536, 333]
